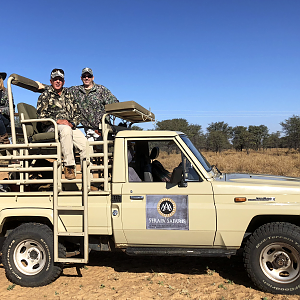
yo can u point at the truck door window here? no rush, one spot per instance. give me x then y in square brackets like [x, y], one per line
[190, 173]
[132, 174]
[155, 160]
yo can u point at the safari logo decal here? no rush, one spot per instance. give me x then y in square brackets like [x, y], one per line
[166, 207]
[169, 212]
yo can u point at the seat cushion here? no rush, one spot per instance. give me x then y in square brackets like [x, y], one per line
[29, 112]
[44, 136]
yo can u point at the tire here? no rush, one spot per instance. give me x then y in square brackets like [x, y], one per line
[27, 256]
[272, 258]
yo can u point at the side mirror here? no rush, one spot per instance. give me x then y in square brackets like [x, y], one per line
[177, 177]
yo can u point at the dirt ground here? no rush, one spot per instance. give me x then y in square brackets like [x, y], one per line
[118, 276]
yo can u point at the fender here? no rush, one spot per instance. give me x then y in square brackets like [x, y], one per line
[29, 212]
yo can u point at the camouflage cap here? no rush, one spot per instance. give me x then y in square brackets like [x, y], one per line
[57, 73]
[87, 70]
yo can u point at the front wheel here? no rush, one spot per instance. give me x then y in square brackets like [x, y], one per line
[272, 258]
[27, 255]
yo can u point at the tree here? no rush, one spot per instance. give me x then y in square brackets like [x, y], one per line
[220, 126]
[258, 136]
[240, 138]
[217, 141]
[291, 128]
[273, 141]
[193, 131]
[135, 127]
[218, 136]
[196, 135]
[173, 125]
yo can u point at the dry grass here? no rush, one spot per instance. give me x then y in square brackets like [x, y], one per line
[272, 161]
[169, 161]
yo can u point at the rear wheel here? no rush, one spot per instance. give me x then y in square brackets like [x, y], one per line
[27, 255]
[272, 258]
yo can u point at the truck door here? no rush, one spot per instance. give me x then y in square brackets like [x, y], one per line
[156, 212]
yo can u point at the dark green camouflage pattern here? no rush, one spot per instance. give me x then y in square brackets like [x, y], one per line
[92, 105]
[4, 104]
[52, 105]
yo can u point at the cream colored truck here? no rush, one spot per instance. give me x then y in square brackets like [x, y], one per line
[178, 204]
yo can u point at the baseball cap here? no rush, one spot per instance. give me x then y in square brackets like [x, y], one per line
[57, 73]
[87, 70]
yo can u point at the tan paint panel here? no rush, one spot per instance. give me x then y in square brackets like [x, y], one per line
[233, 218]
[99, 210]
[99, 218]
[202, 216]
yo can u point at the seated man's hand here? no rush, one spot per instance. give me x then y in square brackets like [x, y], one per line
[64, 122]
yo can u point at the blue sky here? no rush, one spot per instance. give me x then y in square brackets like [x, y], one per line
[202, 60]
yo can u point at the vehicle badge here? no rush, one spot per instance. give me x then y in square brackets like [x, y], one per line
[263, 199]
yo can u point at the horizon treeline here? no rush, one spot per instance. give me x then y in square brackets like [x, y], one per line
[220, 136]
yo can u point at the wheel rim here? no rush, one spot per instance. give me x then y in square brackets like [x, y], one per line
[29, 257]
[280, 262]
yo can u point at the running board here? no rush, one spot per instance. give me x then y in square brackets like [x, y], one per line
[206, 252]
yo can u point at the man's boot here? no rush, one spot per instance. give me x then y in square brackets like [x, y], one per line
[69, 172]
[4, 139]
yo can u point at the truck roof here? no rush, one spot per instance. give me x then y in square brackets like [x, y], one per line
[147, 133]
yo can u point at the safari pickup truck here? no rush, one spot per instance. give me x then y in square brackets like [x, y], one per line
[157, 195]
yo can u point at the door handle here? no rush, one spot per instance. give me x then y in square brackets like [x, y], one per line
[136, 197]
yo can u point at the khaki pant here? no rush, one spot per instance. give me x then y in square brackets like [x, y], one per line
[68, 139]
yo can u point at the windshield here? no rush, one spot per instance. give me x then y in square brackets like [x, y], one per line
[199, 156]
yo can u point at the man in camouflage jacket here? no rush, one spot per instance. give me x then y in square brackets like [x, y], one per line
[91, 99]
[58, 103]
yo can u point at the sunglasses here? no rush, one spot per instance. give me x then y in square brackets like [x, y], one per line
[86, 75]
[58, 78]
